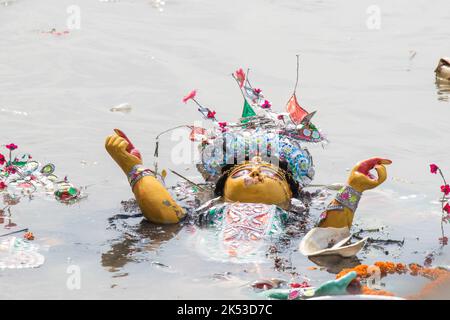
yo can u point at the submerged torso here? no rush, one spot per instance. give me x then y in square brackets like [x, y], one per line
[237, 232]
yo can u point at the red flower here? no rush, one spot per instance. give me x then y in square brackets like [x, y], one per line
[240, 76]
[447, 208]
[433, 168]
[266, 105]
[2, 159]
[2, 185]
[11, 146]
[11, 170]
[257, 91]
[222, 124]
[211, 114]
[443, 241]
[191, 95]
[445, 189]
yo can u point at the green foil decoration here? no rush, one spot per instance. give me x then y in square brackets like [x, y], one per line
[247, 112]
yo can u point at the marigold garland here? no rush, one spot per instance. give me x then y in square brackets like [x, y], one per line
[438, 276]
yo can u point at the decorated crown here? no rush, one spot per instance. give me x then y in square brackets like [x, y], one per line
[260, 132]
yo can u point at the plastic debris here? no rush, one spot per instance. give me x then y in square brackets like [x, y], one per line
[66, 192]
[123, 107]
[21, 175]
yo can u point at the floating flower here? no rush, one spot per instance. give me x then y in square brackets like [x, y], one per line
[211, 114]
[240, 76]
[433, 168]
[2, 159]
[266, 105]
[445, 189]
[191, 95]
[28, 236]
[446, 208]
[11, 146]
[2, 185]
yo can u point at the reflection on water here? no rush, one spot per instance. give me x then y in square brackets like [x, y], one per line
[137, 237]
[6, 218]
[334, 264]
[443, 90]
[368, 86]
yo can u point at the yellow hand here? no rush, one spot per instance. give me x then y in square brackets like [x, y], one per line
[155, 201]
[117, 149]
[360, 177]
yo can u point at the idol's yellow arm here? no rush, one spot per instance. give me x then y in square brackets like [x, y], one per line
[155, 202]
[360, 180]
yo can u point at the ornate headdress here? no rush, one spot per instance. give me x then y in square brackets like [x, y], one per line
[260, 132]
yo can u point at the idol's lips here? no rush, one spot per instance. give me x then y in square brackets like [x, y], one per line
[367, 165]
[251, 181]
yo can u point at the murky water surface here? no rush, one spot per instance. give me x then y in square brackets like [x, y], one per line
[374, 91]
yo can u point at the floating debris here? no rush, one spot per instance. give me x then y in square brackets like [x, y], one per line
[28, 236]
[158, 4]
[330, 241]
[66, 192]
[24, 176]
[7, 2]
[442, 71]
[266, 284]
[56, 32]
[123, 108]
[14, 112]
[159, 264]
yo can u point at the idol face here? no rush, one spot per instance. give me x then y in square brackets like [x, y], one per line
[257, 182]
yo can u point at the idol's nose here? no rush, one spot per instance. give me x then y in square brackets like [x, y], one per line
[256, 173]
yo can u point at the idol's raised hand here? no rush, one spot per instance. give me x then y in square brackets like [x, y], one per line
[362, 179]
[122, 151]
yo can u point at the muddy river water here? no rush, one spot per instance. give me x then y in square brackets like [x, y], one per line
[366, 67]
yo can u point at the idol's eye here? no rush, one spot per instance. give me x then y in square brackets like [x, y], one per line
[269, 173]
[241, 173]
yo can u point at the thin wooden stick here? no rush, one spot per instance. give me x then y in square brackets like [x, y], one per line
[14, 232]
[296, 81]
[190, 181]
